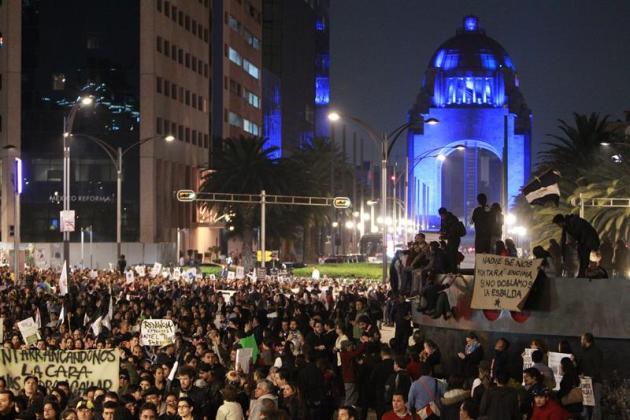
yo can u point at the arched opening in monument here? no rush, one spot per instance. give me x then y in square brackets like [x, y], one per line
[464, 175]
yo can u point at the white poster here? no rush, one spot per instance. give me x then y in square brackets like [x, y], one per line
[66, 218]
[140, 270]
[129, 276]
[554, 360]
[157, 332]
[240, 272]
[176, 273]
[28, 329]
[231, 275]
[588, 397]
[157, 268]
[243, 358]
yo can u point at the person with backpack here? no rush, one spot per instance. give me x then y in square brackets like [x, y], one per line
[451, 230]
[425, 393]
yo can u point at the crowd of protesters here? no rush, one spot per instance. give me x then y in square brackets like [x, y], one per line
[321, 354]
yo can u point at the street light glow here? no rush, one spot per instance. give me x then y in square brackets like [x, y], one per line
[334, 116]
[356, 214]
[335, 224]
[604, 143]
[169, 138]
[432, 121]
[460, 147]
[349, 224]
[87, 100]
[510, 219]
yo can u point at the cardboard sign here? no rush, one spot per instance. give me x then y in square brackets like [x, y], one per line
[157, 332]
[261, 273]
[243, 359]
[140, 270]
[231, 275]
[240, 272]
[588, 397]
[81, 368]
[30, 332]
[553, 361]
[503, 282]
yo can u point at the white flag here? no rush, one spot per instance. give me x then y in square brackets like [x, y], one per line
[173, 371]
[62, 315]
[107, 321]
[86, 319]
[63, 280]
[96, 326]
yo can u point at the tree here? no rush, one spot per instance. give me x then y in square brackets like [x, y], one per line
[244, 166]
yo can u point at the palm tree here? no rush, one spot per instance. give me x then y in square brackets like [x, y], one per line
[245, 166]
[572, 153]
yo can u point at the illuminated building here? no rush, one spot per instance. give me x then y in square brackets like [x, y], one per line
[472, 88]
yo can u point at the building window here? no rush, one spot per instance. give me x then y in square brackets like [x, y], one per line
[173, 52]
[251, 98]
[187, 60]
[250, 68]
[187, 135]
[181, 94]
[167, 87]
[159, 85]
[167, 8]
[206, 35]
[159, 5]
[180, 56]
[250, 127]
[180, 132]
[194, 137]
[200, 103]
[194, 63]
[158, 125]
[159, 43]
[167, 47]
[205, 70]
[235, 119]
[194, 27]
[174, 91]
[187, 97]
[174, 14]
[187, 22]
[234, 56]
[194, 100]
[233, 23]
[174, 130]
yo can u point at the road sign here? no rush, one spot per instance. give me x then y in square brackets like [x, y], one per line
[186, 196]
[341, 202]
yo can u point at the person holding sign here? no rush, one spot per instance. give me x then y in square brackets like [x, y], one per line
[590, 364]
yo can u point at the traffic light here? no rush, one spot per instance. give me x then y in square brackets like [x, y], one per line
[186, 196]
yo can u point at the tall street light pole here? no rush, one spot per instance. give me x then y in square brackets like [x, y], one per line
[116, 156]
[386, 143]
[68, 123]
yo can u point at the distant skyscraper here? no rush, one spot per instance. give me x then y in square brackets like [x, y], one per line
[472, 88]
[296, 71]
[147, 65]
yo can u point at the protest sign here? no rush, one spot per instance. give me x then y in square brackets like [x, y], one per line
[28, 329]
[231, 275]
[240, 272]
[157, 332]
[176, 273]
[157, 268]
[503, 282]
[588, 397]
[261, 273]
[81, 368]
[243, 359]
[140, 270]
[130, 277]
[553, 361]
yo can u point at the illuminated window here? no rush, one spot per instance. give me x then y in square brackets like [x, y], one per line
[250, 68]
[439, 59]
[451, 61]
[251, 98]
[488, 61]
[251, 128]
[322, 90]
[235, 119]
[234, 56]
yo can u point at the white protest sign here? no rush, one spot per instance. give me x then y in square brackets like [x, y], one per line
[243, 358]
[129, 276]
[503, 282]
[176, 273]
[240, 272]
[93, 274]
[157, 268]
[166, 273]
[588, 397]
[157, 332]
[140, 270]
[231, 275]
[553, 361]
[315, 274]
[191, 275]
[28, 329]
[80, 368]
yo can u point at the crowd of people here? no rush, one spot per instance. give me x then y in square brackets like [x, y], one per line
[321, 354]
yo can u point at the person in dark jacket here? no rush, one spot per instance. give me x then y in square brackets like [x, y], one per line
[378, 379]
[402, 321]
[395, 268]
[584, 235]
[500, 362]
[482, 218]
[590, 364]
[569, 381]
[399, 381]
[500, 402]
[471, 356]
[450, 231]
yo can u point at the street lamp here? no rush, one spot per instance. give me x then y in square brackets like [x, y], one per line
[17, 190]
[386, 142]
[68, 123]
[116, 155]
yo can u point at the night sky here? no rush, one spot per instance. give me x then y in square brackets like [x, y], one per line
[571, 55]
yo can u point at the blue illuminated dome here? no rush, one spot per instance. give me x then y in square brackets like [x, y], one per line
[470, 49]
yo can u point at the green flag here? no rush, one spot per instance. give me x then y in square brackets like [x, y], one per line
[250, 342]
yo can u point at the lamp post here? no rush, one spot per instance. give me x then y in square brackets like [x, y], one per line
[68, 123]
[386, 143]
[17, 190]
[116, 155]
